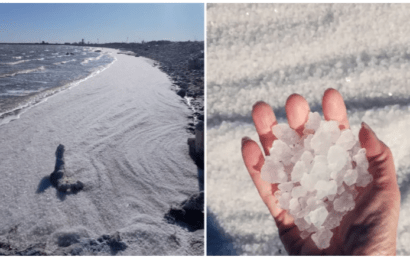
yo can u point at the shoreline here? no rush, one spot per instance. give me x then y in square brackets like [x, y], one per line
[183, 62]
[38, 98]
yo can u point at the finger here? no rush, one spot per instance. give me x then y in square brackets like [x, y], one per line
[369, 140]
[334, 107]
[264, 119]
[297, 112]
[253, 159]
[381, 164]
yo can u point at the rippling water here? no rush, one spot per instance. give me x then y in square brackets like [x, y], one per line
[30, 73]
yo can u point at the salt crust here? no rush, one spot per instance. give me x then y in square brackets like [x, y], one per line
[317, 175]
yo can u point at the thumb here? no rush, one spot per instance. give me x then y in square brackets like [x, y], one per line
[369, 140]
[381, 164]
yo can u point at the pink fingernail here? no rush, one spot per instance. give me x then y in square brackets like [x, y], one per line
[244, 139]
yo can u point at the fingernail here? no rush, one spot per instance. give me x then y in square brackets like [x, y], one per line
[257, 103]
[244, 139]
[367, 127]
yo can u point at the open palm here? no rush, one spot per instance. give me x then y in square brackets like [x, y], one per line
[369, 229]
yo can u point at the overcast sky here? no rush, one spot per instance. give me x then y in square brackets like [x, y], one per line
[59, 23]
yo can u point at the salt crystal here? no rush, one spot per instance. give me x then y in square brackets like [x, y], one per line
[307, 142]
[322, 238]
[281, 152]
[284, 200]
[302, 213]
[298, 191]
[350, 177]
[317, 217]
[346, 140]
[307, 158]
[361, 159]
[313, 203]
[325, 188]
[356, 148]
[352, 190]
[333, 219]
[273, 172]
[297, 155]
[326, 136]
[332, 129]
[285, 186]
[364, 180]
[320, 142]
[320, 170]
[294, 206]
[302, 224]
[298, 170]
[337, 158]
[321, 188]
[303, 205]
[339, 178]
[312, 229]
[284, 133]
[303, 201]
[308, 181]
[340, 189]
[313, 122]
[344, 203]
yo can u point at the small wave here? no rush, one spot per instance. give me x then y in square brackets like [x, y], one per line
[15, 63]
[15, 113]
[86, 61]
[17, 57]
[40, 59]
[20, 92]
[64, 62]
[91, 59]
[22, 72]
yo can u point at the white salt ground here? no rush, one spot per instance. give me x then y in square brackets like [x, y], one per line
[256, 53]
[125, 139]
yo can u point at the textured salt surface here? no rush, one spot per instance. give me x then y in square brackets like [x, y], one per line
[124, 135]
[256, 53]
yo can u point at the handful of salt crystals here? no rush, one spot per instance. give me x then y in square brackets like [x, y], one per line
[317, 175]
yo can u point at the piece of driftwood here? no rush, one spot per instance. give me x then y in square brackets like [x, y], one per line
[59, 179]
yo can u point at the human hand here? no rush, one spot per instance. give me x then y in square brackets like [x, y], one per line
[371, 227]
